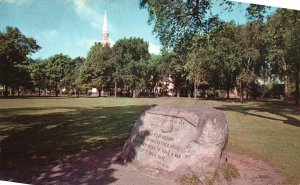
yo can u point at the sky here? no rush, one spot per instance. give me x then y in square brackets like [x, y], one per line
[72, 26]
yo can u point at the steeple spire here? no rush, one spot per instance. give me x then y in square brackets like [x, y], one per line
[104, 23]
[105, 38]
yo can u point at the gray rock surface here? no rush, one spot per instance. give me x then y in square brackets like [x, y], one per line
[173, 141]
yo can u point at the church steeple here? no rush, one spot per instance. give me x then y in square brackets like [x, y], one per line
[105, 35]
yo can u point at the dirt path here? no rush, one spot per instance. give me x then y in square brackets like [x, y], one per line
[103, 167]
[253, 172]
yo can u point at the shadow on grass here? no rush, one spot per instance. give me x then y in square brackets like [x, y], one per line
[75, 146]
[37, 97]
[280, 109]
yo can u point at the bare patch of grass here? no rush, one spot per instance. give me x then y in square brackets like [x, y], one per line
[229, 171]
[189, 180]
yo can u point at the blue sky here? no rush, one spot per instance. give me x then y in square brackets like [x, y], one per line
[72, 26]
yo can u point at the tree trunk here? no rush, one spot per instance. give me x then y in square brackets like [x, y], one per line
[115, 88]
[286, 87]
[228, 91]
[18, 91]
[76, 92]
[99, 92]
[241, 92]
[287, 93]
[39, 92]
[56, 92]
[195, 90]
[13, 91]
[133, 93]
[297, 86]
[5, 91]
[178, 92]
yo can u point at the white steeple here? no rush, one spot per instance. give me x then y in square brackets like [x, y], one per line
[105, 39]
[104, 28]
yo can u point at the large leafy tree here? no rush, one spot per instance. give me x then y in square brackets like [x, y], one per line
[196, 66]
[22, 80]
[214, 53]
[70, 81]
[283, 32]
[177, 20]
[178, 24]
[226, 57]
[96, 72]
[38, 74]
[56, 71]
[14, 51]
[153, 73]
[253, 51]
[129, 57]
[173, 66]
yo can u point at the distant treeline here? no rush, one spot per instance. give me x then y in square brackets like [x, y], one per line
[216, 57]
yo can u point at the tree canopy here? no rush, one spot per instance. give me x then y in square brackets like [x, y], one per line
[14, 50]
[177, 21]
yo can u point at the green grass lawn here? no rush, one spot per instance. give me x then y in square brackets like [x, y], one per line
[45, 130]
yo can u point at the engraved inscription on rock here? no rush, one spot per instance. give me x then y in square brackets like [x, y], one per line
[177, 140]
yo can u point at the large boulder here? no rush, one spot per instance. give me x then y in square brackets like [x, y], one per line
[174, 141]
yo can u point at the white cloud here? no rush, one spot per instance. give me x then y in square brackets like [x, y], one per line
[86, 12]
[154, 49]
[17, 2]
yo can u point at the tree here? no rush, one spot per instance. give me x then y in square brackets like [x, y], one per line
[153, 73]
[256, 13]
[96, 70]
[22, 79]
[177, 24]
[128, 58]
[14, 50]
[194, 67]
[283, 35]
[56, 71]
[215, 53]
[70, 81]
[177, 20]
[173, 66]
[252, 52]
[38, 74]
[228, 55]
